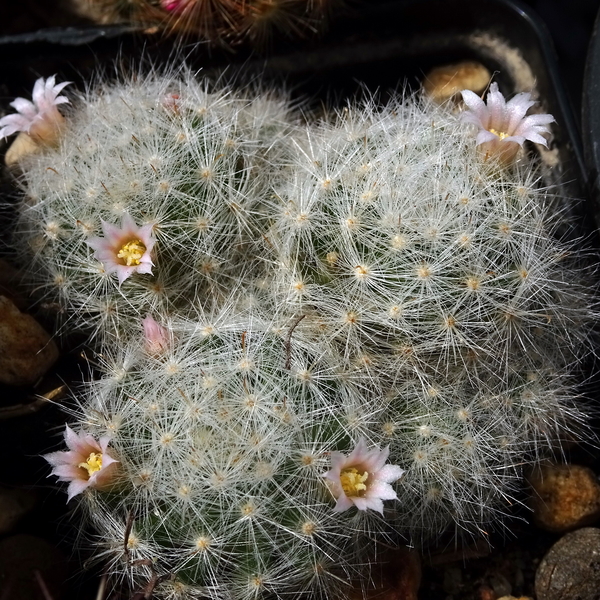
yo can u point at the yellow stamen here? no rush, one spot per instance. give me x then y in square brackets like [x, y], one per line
[353, 482]
[132, 252]
[92, 464]
[500, 134]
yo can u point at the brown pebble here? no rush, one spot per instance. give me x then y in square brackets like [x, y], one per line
[26, 350]
[442, 83]
[564, 497]
[571, 568]
[486, 593]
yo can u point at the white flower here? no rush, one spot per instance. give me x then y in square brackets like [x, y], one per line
[86, 463]
[503, 126]
[126, 250]
[362, 478]
[40, 118]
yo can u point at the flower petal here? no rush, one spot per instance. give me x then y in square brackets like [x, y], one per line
[124, 272]
[69, 472]
[56, 459]
[477, 106]
[382, 490]
[390, 473]
[496, 105]
[25, 107]
[110, 231]
[374, 503]
[76, 487]
[485, 136]
[343, 503]
[516, 109]
[517, 139]
[75, 442]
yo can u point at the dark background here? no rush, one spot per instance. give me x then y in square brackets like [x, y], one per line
[570, 23]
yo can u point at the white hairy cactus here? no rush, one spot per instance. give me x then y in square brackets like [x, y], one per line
[163, 170]
[409, 243]
[222, 442]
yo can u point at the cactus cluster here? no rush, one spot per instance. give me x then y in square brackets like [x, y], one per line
[314, 340]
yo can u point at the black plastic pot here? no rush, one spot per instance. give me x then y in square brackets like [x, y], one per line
[591, 117]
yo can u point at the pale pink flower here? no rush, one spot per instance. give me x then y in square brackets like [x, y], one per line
[40, 118]
[503, 126]
[362, 478]
[86, 463]
[156, 337]
[124, 251]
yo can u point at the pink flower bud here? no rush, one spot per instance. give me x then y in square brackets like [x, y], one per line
[156, 337]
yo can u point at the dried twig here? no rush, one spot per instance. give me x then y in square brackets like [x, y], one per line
[28, 408]
[147, 591]
[288, 341]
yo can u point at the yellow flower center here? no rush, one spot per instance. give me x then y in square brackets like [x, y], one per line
[92, 464]
[353, 482]
[132, 252]
[500, 134]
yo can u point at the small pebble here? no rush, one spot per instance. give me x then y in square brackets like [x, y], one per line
[571, 568]
[500, 584]
[26, 350]
[442, 83]
[486, 593]
[564, 497]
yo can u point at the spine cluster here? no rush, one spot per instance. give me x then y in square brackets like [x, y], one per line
[314, 340]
